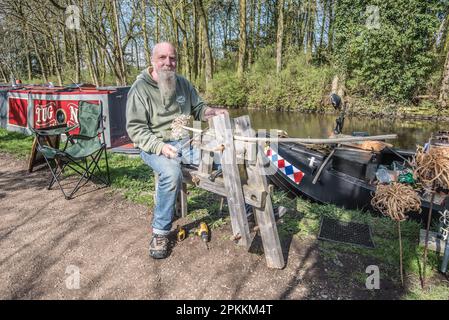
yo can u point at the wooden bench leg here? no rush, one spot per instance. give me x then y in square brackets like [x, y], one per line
[156, 181]
[182, 201]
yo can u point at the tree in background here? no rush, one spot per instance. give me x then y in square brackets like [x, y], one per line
[385, 47]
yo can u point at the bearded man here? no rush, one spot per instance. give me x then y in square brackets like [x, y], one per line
[157, 97]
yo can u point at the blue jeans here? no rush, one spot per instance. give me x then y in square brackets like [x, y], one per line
[170, 179]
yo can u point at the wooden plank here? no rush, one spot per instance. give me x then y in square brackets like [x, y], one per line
[206, 157]
[36, 157]
[253, 197]
[249, 149]
[156, 182]
[181, 201]
[33, 154]
[232, 182]
[265, 217]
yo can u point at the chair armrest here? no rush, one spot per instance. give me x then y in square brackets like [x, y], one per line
[80, 137]
[55, 131]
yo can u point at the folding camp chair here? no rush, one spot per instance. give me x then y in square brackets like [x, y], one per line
[82, 152]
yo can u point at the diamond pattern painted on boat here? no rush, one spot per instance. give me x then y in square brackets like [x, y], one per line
[286, 167]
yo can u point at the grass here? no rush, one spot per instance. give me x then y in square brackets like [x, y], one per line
[135, 180]
[433, 292]
[15, 143]
[305, 223]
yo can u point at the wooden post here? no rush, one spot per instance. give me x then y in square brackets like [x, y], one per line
[156, 182]
[232, 182]
[206, 158]
[182, 201]
[265, 216]
[36, 157]
[33, 155]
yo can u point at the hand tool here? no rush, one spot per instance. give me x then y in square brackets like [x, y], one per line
[203, 232]
[181, 235]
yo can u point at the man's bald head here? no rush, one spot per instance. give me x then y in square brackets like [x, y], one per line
[163, 47]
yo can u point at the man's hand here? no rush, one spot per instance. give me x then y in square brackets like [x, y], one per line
[212, 112]
[219, 111]
[169, 151]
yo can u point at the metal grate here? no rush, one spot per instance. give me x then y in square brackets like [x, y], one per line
[345, 232]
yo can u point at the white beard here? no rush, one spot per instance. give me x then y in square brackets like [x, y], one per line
[167, 85]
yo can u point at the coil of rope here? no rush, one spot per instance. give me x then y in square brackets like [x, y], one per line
[395, 200]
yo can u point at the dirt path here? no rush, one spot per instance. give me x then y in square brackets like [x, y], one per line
[106, 237]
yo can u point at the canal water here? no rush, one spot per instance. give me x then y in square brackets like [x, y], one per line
[410, 132]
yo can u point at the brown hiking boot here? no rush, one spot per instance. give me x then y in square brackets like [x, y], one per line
[159, 246]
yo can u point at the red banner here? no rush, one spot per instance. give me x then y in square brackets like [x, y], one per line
[17, 114]
[47, 113]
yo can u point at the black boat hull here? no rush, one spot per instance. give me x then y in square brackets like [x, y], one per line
[348, 187]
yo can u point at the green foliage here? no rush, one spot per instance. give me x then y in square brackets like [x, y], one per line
[393, 61]
[300, 86]
[133, 72]
[227, 89]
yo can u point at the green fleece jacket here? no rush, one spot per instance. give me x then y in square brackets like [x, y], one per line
[148, 119]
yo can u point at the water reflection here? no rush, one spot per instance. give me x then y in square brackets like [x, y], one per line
[410, 132]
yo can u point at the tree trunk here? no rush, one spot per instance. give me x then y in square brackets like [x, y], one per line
[302, 31]
[444, 89]
[279, 37]
[103, 67]
[185, 45]
[251, 32]
[92, 74]
[76, 51]
[200, 52]
[311, 26]
[242, 39]
[288, 25]
[56, 60]
[259, 14]
[323, 22]
[49, 60]
[2, 73]
[89, 53]
[40, 59]
[158, 31]
[29, 72]
[120, 61]
[137, 54]
[196, 44]
[145, 33]
[205, 42]
[330, 37]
